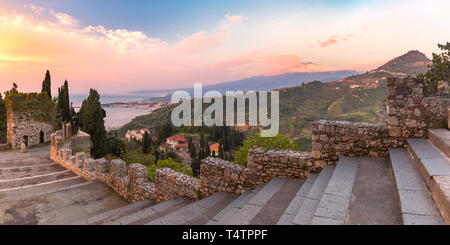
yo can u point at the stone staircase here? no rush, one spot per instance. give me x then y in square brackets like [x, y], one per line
[410, 187]
[34, 190]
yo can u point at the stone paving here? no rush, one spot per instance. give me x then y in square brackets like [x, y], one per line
[33, 190]
[374, 199]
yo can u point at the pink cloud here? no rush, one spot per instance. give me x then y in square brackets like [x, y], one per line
[199, 41]
[335, 39]
[121, 60]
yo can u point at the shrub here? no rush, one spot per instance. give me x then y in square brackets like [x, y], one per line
[77, 150]
[279, 142]
[168, 163]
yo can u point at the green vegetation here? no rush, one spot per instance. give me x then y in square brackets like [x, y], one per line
[77, 150]
[91, 120]
[168, 163]
[436, 79]
[279, 142]
[30, 105]
[47, 84]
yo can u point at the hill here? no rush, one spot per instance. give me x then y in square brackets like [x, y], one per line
[265, 83]
[355, 98]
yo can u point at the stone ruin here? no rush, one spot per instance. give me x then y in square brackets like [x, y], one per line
[30, 119]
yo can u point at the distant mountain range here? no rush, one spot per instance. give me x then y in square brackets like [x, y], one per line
[358, 97]
[264, 83]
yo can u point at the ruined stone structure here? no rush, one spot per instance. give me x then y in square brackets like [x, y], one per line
[334, 139]
[217, 175]
[410, 114]
[81, 142]
[170, 184]
[30, 119]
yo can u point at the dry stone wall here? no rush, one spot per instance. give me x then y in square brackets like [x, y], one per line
[333, 139]
[217, 175]
[170, 184]
[82, 142]
[410, 114]
[265, 165]
[131, 182]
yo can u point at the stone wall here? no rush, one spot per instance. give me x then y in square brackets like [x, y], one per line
[333, 139]
[217, 175]
[265, 165]
[81, 141]
[29, 116]
[170, 184]
[131, 182]
[448, 116]
[410, 114]
[4, 147]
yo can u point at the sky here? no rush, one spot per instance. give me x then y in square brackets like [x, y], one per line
[120, 46]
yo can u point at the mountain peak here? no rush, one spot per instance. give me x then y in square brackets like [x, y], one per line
[412, 63]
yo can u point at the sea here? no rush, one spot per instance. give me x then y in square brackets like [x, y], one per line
[115, 117]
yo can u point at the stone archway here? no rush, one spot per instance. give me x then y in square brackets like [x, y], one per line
[41, 137]
[25, 140]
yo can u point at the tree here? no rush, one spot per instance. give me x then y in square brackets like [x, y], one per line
[64, 109]
[191, 149]
[196, 166]
[221, 152]
[436, 79]
[117, 147]
[46, 85]
[91, 117]
[13, 90]
[279, 142]
[146, 143]
[2, 120]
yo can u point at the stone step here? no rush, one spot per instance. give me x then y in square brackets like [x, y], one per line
[115, 214]
[29, 171]
[275, 207]
[305, 213]
[16, 163]
[224, 216]
[61, 207]
[250, 210]
[434, 166]
[26, 182]
[151, 213]
[47, 188]
[335, 202]
[440, 139]
[374, 196]
[417, 205]
[289, 214]
[196, 209]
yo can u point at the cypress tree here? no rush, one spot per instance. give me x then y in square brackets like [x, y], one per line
[47, 84]
[92, 122]
[2, 120]
[146, 143]
[64, 109]
[65, 105]
[221, 153]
